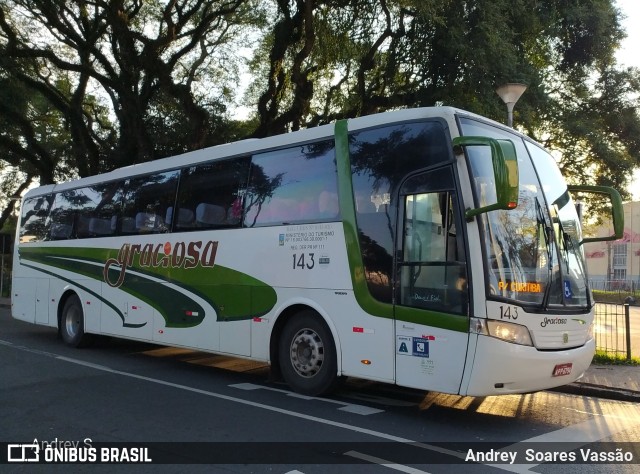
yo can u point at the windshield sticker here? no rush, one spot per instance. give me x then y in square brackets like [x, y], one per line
[567, 289]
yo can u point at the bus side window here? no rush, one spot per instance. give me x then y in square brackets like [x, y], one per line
[328, 205]
[292, 185]
[210, 194]
[146, 202]
[61, 219]
[210, 215]
[34, 218]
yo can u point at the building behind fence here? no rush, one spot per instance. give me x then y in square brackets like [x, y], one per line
[615, 265]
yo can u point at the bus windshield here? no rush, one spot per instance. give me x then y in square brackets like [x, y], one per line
[532, 253]
[569, 275]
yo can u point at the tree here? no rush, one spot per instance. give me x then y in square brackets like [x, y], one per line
[131, 81]
[328, 59]
[100, 84]
[140, 57]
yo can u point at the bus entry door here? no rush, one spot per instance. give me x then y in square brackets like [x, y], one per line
[431, 327]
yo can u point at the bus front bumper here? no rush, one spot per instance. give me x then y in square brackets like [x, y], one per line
[502, 368]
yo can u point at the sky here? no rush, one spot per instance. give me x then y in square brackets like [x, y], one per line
[628, 57]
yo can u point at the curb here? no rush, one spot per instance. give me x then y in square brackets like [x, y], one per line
[598, 391]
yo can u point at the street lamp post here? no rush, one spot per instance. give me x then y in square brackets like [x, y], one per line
[510, 93]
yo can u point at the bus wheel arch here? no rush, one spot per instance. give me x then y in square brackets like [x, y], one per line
[304, 351]
[71, 320]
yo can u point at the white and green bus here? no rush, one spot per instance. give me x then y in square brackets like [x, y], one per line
[430, 248]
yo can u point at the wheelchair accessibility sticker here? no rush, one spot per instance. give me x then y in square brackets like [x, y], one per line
[412, 346]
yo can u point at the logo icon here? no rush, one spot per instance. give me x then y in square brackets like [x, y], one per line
[29, 452]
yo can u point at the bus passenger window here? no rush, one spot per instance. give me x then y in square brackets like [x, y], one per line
[328, 205]
[293, 185]
[210, 195]
[34, 218]
[146, 202]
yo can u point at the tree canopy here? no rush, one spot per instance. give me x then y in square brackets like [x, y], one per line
[91, 85]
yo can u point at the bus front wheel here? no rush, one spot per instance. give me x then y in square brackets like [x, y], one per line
[307, 355]
[72, 323]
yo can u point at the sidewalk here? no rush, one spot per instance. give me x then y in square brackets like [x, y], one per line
[616, 382]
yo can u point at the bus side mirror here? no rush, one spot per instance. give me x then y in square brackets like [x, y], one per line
[617, 213]
[505, 171]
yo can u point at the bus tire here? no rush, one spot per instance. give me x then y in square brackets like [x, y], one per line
[307, 355]
[72, 323]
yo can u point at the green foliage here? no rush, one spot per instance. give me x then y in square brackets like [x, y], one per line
[615, 297]
[90, 86]
[371, 56]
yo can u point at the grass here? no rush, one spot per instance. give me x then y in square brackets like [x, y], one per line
[606, 358]
[616, 297]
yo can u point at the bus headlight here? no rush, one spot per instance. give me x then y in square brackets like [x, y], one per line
[509, 332]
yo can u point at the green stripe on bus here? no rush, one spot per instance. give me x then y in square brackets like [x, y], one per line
[348, 211]
[356, 266]
[234, 295]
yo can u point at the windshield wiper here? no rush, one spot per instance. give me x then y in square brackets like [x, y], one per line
[571, 250]
[547, 232]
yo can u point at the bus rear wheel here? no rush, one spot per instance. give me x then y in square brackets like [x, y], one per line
[72, 323]
[307, 355]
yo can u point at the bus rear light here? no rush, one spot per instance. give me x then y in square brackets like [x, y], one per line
[191, 313]
[366, 361]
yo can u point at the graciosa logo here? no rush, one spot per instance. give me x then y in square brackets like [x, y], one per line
[180, 255]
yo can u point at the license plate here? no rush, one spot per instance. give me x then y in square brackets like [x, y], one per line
[562, 369]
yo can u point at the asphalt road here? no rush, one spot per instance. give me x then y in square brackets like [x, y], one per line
[205, 413]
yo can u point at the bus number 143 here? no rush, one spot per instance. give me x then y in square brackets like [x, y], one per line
[303, 260]
[507, 313]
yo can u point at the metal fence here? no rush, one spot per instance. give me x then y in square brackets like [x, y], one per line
[612, 329]
[623, 286]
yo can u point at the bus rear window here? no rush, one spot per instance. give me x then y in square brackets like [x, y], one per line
[34, 218]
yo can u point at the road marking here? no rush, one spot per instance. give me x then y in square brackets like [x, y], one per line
[385, 463]
[577, 435]
[348, 407]
[304, 416]
[622, 417]
[381, 400]
[572, 437]
[86, 364]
